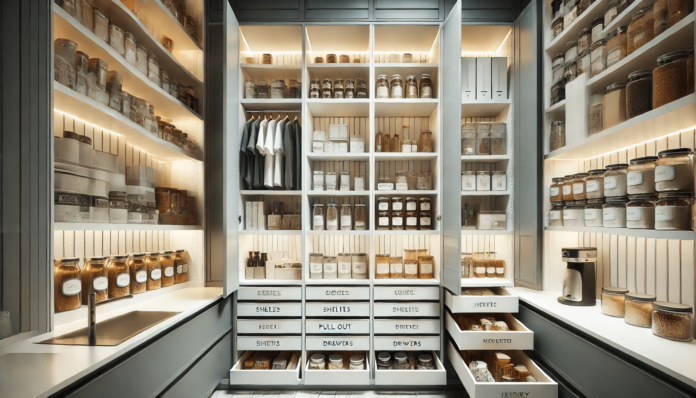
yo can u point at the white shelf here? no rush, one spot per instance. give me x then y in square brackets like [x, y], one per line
[264, 71]
[337, 282]
[672, 357]
[337, 193]
[406, 282]
[66, 226]
[486, 282]
[557, 111]
[270, 282]
[158, 15]
[410, 192]
[678, 37]
[271, 192]
[338, 233]
[570, 32]
[399, 156]
[486, 232]
[337, 107]
[282, 232]
[343, 71]
[400, 107]
[639, 233]
[670, 118]
[332, 157]
[485, 193]
[134, 82]
[406, 232]
[405, 69]
[484, 158]
[91, 111]
[484, 108]
[262, 104]
[624, 18]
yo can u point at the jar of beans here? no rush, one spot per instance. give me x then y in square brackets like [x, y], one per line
[640, 30]
[669, 78]
[639, 93]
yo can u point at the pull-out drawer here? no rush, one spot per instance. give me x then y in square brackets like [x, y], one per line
[269, 326]
[275, 310]
[407, 309]
[407, 343]
[337, 326]
[517, 338]
[544, 387]
[503, 301]
[407, 326]
[324, 293]
[393, 377]
[272, 293]
[269, 343]
[239, 375]
[407, 293]
[337, 343]
[334, 309]
[344, 377]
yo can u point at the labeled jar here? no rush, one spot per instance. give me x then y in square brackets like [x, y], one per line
[410, 269]
[138, 273]
[318, 217]
[640, 30]
[639, 93]
[640, 212]
[669, 78]
[615, 177]
[181, 267]
[579, 186]
[411, 217]
[67, 284]
[94, 279]
[640, 178]
[479, 265]
[382, 87]
[468, 139]
[119, 276]
[483, 180]
[594, 184]
[316, 265]
[616, 45]
[673, 211]
[674, 170]
[396, 87]
[598, 57]
[614, 109]
[397, 220]
[426, 265]
[584, 40]
[411, 87]
[498, 181]
[614, 212]
[594, 213]
[556, 189]
[360, 217]
[613, 301]
[638, 309]
[331, 217]
[154, 271]
[338, 88]
[574, 213]
[673, 321]
[558, 66]
[359, 265]
[424, 220]
[557, 27]
[597, 28]
[396, 268]
[568, 187]
[357, 362]
[330, 266]
[346, 217]
[167, 264]
[382, 266]
[426, 86]
[558, 137]
[584, 62]
[483, 138]
[384, 361]
[596, 118]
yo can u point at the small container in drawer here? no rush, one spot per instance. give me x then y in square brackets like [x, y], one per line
[406, 343]
[407, 326]
[544, 387]
[517, 338]
[324, 293]
[334, 309]
[274, 310]
[337, 326]
[269, 343]
[337, 343]
[239, 375]
[394, 377]
[407, 293]
[273, 293]
[407, 309]
[269, 326]
[344, 377]
[503, 301]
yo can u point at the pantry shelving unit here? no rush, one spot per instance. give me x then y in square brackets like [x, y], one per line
[114, 133]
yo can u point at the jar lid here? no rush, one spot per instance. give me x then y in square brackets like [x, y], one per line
[336, 358]
[410, 77]
[357, 359]
[611, 289]
[171, 251]
[597, 171]
[71, 135]
[641, 12]
[584, 31]
[319, 204]
[676, 195]
[382, 76]
[425, 358]
[672, 307]
[643, 160]
[581, 175]
[557, 179]
[424, 199]
[317, 357]
[483, 172]
[179, 251]
[118, 256]
[641, 296]
[395, 76]
[410, 198]
[639, 74]
[561, 55]
[70, 259]
[568, 177]
[571, 44]
[598, 43]
[597, 201]
[384, 356]
[151, 253]
[617, 31]
[597, 21]
[382, 198]
[675, 152]
[137, 254]
[584, 53]
[617, 166]
[614, 87]
[671, 57]
[575, 203]
[360, 205]
[557, 123]
[400, 356]
[617, 199]
[95, 258]
[641, 197]
[332, 204]
[557, 204]
[397, 199]
[425, 76]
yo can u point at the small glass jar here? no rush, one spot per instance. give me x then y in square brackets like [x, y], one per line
[584, 40]
[167, 263]
[330, 266]
[558, 138]
[479, 265]
[615, 177]
[613, 301]
[639, 93]
[154, 271]
[616, 45]
[278, 88]
[119, 277]
[315, 89]
[383, 220]
[64, 63]
[138, 273]
[483, 136]
[674, 170]
[614, 212]
[181, 267]
[411, 220]
[556, 214]
[317, 361]
[673, 321]
[411, 203]
[396, 268]
[596, 118]
[360, 217]
[66, 284]
[638, 309]
[673, 211]
[316, 265]
[498, 181]
[318, 217]
[357, 362]
[395, 143]
[426, 86]
[669, 78]
[338, 88]
[597, 28]
[397, 220]
[483, 180]
[424, 181]
[640, 178]
[343, 59]
[598, 57]
[594, 184]
[332, 217]
[579, 192]
[425, 141]
[425, 219]
[468, 139]
[384, 361]
[593, 213]
[94, 279]
[382, 266]
[498, 139]
[326, 88]
[583, 65]
[425, 362]
[400, 361]
[346, 217]
[468, 180]
[568, 187]
[640, 212]
[411, 87]
[574, 214]
[558, 65]
[556, 189]
[396, 87]
[640, 30]
[359, 265]
[350, 89]
[361, 88]
[426, 266]
[318, 60]
[410, 269]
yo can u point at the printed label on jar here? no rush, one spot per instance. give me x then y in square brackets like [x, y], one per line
[483, 182]
[397, 221]
[426, 268]
[186, 268]
[344, 268]
[570, 215]
[633, 213]
[425, 221]
[567, 190]
[469, 183]
[499, 182]
[331, 223]
[664, 173]
[592, 186]
[490, 270]
[554, 191]
[383, 206]
[100, 283]
[156, 274]
[169, 272]
[384, 221]
[609, 214]
[578, 188]
[555, 215]
[425, 206]
[412, 221]
[410, 206]
[346, 220]
[634, 178]
[591, 214]
[141, 276]
[122, 280]
[480, 270]
[609, 183]
[397, 206]
[359, 268]
[400, 186]
[318, 221]
[72, 287]
[180, 269]
[664, 213]
[315, 268]
[330, 267]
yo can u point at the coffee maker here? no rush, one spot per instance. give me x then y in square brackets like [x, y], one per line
[579, 276]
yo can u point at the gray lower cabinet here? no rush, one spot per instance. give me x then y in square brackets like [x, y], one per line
[159, 365]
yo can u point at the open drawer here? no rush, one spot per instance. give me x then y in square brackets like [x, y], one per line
[544, 387]
[503, 301]
[239, 375]
[517, 338]
[393, 377]
[344, 377]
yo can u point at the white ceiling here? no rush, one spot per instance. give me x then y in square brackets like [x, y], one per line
[483, 38]
[271, 38]
[350, 38]
[403, 38]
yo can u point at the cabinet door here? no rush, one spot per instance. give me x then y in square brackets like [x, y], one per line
[450, 60]
[528, 149]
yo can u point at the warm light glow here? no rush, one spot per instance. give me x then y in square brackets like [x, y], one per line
[502, 42]
[636, 145]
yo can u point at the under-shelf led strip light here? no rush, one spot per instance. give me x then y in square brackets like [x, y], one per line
[638, 144]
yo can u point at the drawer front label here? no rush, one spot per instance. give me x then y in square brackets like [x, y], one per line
[338, 309]
[338, 293]
[270, 293]
[407, 309]
[337, 326]
[269, 309]
[407, 293]
[329, 343]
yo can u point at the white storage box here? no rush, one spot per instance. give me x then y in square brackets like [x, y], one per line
[499, 80]
[483, 79]
[338, 132]
[468, 79]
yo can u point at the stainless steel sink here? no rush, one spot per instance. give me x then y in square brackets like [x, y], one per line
[116, 330]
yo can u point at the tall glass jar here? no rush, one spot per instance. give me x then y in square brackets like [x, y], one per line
[584, 62]
[138, 273]
[673, 321]
[638, 309]
[118, 275]
[641, 176]
[673, 211]
[558, 138]
[639, 93]
[596, 118]
[332, 217]
[498, 139]
[669, 78]
[395, 143]
[425, 141]
[640, 212]
[318, 217]
[130, 47]
[615, 180]
[468, 139]
[640, 30]
[597, 28]
[614, 8]
[167, 265]
[411, 87]
[593, 213]
[330, 265]
[346, 217]
[568, 187]
[674, 170]
[338, 88]
[616, 45]
[584, 40]
[154, 271]
[556, 214]
[94, 279]
[579, 186]
[676, 11]
[613, 301]
[571, 52]
[361, 88]
[574, 213]
[381, 266]
[614, 109]
[483, 137]
[557, 66]
[360, 217]
[594, 184]
[396, 87]
[426, 86]
[614, 212]
[66, 284]
[556, 190]
[64, 62]
[598, 57]
[315, 89]
[483, 180]
[326, 88]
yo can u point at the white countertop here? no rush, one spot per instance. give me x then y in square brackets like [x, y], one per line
[39, 370]
[677, 359]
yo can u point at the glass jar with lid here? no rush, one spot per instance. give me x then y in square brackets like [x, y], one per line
[583, 65]
[331, 59]
[318, 217]
[346, 217]
[411, 87]
[483, 136]
[483, 180]
[66, 284]
[669, 78]
[615, 177]
[411, 214]
[614, 212]
[571, 52]
[382, 266]
[357, 362]
[570, 71]
[479, 265]
[676, 11]
[673, 211]
[614, 8]
[317, 361]
[640, 212]
[639, 93]
[426, 265]
[558, 137]
[579, 192]
[616, 45]
[556, 214]
[640, 30]
[397, 219]
[338, 88]
[557, 93]
[425, 141]
[138, 273]
[584, 40]
[383, 218]
[674, 170]
[154, 271]
[568, 187]
[557, 27]
[181, 267]
[263, 90]
[64, 62]
[598, 57]
[118, 275]
[400, 361]
[597, 27]
[593, 213]
[94, 279]
[426, 86]
[498, 180]
[101, 24]
[468, 180]
[384, 361]
[396, 268]
[614, 109]
[594, 184]
[638, 309]
[344, 266]
[395, 143]
[315, 89]
[330, 267]
[613, 301]
[498, 139]
[425, 362]
[574, 213]
[396, 86]
[360, 88]
[673, 321]
[640, 178]
[382, 87]
[360, 216]
[557, 67]
[556, 189]
[250, 89]
[167, 264]
[468, 139]
[332, 217]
